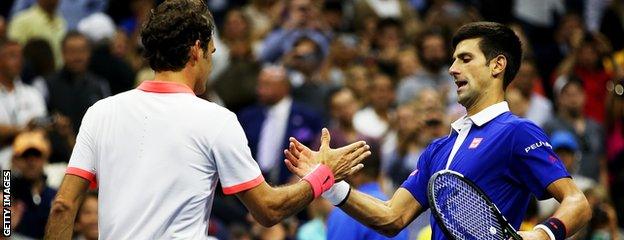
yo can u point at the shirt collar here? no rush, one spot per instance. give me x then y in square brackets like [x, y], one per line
[482, 117]
[164, 87]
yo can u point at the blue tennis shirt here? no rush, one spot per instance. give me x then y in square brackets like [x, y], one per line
[508, 157]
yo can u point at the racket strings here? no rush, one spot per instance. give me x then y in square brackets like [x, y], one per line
[464, 212]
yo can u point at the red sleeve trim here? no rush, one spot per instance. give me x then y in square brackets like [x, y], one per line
[243, 186]
[83, 174]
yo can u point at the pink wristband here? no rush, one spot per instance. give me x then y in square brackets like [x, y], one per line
[321, 179]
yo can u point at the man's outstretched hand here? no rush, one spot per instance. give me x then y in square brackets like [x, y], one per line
[343, 161]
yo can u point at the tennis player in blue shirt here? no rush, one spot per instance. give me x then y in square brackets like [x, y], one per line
[509, 158]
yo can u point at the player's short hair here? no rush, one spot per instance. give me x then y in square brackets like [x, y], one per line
[172, 29]
[496, 39]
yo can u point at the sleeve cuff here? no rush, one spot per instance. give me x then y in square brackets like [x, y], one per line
[243, 186]
[83, 174]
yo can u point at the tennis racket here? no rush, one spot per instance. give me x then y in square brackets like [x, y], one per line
[463, 211]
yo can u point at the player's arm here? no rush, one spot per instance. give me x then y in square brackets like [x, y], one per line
[573, 213]
[65, 206]
[386, 217]
[269, 205]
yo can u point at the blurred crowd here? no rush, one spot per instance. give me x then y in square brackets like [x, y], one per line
[374, 70]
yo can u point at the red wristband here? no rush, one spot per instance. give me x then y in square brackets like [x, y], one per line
[321, 179]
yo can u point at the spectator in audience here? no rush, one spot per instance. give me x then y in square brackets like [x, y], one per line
[537, 108]
[342, 107]
[589, 133]
[72, 11]
[342, 56]
[302, 19]
[304, 62]
[31, 150]
[41, 20]
[432, 51]
[387, 44]
[564, 143]
[20, 104]
[358, 80]
[315, 229]
[374, 120]
[87, 218]
[103, 61]
[342, 226]
[265, 14]
[585, 61]
[277, 117]
[74, 88]
[416, 126]
[237, 83]
[38, 63]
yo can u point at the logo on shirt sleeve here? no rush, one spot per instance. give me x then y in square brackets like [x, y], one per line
[413, 173]
[536, 146]
[475, 143]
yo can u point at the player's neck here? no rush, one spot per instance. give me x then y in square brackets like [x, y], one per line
[485, 101]
[182, 77]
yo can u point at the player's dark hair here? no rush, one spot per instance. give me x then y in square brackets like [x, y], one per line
[496, 39]
[172, 29]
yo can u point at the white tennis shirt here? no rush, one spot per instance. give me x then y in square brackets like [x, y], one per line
[157, 153]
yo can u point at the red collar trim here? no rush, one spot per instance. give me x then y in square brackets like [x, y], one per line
[164, 87]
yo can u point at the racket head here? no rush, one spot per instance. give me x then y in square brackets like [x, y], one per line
[464, 211]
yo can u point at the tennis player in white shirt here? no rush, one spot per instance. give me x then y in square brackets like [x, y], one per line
[157, 152]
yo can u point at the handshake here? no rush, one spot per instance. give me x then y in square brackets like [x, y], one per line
[326, 166]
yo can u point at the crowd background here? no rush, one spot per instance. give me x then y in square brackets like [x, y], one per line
[375, 70]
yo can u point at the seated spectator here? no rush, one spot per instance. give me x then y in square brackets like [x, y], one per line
[343, 106]
[73, 89]
[30, 154]
[523, 101]
[41, 20]
[304, 64]
[357, 79]
[315, 229]
[374, 120]
[433, 53]
[20, 104]
[277, 117]
[590, 135]
[86, 226]
[302, 20]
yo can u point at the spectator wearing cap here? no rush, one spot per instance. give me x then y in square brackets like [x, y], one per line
[589, 134]
[565, 145]
[31, 150]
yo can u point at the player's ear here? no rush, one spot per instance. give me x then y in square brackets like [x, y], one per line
[196, 51]
[497, 65]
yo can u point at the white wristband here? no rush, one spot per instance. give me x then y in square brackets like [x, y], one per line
[337, 193]
[546, 229]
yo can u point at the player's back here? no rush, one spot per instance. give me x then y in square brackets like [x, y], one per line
[155, 175]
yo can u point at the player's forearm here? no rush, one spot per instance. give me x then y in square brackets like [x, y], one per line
[61, 221]
[574, 212]
[374, 213]
[282, 202]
